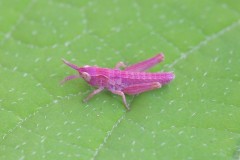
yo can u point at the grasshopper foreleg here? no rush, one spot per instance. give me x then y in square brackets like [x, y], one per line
[92, 94]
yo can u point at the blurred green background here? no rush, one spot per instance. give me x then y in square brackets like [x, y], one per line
[194, 117]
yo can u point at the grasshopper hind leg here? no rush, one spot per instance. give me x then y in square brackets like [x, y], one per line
[145, 65]
[139, 88]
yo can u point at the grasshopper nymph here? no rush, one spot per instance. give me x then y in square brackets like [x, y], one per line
[131, 80]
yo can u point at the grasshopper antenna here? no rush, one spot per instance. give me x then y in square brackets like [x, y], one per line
[70, 64]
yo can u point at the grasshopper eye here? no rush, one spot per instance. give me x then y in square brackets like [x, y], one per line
[86, 76]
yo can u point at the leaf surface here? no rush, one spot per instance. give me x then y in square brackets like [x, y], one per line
[194, 117]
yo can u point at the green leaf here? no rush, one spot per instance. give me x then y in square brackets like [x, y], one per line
[194, 117]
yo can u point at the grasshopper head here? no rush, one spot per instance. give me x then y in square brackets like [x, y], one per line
[84, 72]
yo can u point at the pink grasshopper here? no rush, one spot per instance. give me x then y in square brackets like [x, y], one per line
[132, 80]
